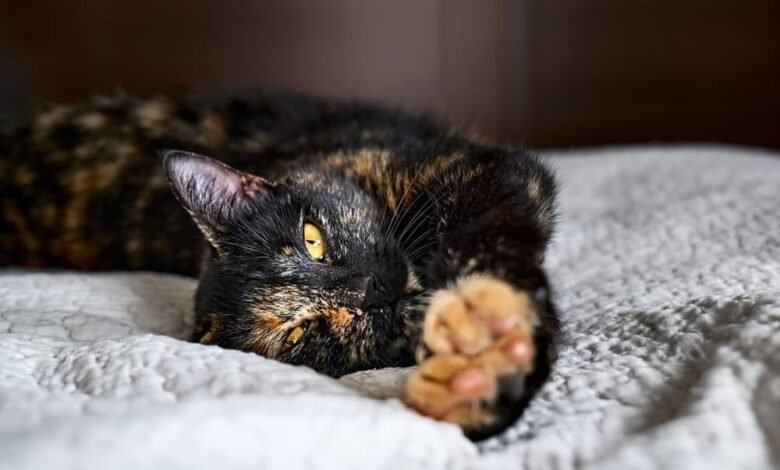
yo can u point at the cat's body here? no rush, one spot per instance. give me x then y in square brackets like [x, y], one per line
[349, 234]
[83, 186]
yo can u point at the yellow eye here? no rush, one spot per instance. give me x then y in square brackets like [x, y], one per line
[315, 242]
[294, 336]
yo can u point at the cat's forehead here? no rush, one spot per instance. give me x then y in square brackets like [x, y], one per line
[334, 200]
[345, 220]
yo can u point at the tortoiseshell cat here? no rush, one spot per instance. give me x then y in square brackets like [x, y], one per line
[343, 237]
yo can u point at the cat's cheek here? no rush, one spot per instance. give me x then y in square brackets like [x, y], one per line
[267, 336]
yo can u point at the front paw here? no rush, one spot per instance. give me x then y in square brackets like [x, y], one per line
[479, 339]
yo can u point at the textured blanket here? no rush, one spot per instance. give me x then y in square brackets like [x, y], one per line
[667, 269]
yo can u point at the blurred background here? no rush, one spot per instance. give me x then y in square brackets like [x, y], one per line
[546, 73]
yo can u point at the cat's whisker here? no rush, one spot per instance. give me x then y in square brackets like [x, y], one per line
[422, 212]
[426, 295]
[421, 238]
[245, 225]
[251, 248]
[408, 188]
[420, 251]
[408, 207]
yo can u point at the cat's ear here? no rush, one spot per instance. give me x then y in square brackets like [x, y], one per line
[213, 193]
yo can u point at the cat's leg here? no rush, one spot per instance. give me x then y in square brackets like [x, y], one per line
[486, 354]
[488, 333]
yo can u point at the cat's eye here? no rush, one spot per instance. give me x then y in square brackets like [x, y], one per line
[295, 335]
[314, 240]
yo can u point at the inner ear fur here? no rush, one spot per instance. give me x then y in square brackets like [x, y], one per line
[212, 192]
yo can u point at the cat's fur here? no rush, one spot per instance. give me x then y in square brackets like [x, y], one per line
[408, 210]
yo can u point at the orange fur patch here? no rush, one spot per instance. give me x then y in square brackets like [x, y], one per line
[214, 327]
[268, 322]
[339, 318]
[91, 121]
[96, 178]
[212, 129]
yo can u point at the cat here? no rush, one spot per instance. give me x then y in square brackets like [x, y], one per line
[340, 236]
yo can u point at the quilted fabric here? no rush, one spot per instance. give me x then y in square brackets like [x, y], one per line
[667, 268]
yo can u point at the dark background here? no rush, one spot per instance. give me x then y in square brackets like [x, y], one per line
[541, 72]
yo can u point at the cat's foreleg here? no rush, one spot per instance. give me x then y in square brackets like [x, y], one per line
[489, 329]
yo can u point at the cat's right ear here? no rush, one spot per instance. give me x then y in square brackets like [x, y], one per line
[213, 193]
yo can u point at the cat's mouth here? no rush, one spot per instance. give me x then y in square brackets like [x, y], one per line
[371, 338]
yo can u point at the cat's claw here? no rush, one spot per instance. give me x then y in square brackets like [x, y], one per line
[479, 341]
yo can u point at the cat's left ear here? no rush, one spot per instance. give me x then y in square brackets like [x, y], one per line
[213, 193]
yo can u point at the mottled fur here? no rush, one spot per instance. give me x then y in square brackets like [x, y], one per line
[407, 209]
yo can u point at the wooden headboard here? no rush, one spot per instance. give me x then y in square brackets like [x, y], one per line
[543, 72]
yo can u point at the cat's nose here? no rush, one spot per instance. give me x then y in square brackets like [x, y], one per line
[378, 297]
[359, 284]
[375, 285]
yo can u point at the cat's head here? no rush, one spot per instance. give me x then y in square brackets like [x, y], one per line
[300, 270]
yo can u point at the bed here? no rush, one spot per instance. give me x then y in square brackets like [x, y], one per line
[667, 271]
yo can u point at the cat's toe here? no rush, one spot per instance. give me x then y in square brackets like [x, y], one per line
[442, 382]
[480, 347]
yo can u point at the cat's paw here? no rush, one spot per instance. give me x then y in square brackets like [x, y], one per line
[479, 339]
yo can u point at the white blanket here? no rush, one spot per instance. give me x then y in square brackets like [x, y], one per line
[667, 269]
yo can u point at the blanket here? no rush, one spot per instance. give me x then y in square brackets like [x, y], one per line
[666, 267]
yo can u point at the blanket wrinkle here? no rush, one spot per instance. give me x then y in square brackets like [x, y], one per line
[666, 268]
